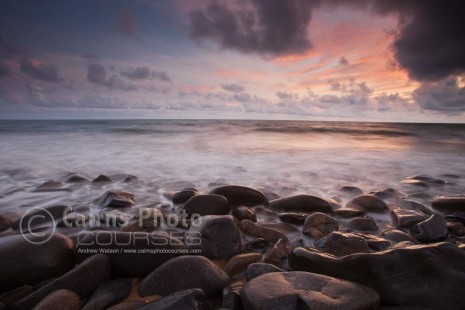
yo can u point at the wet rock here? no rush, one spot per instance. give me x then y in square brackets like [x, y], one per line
[237, 264]
[130, 265]
[276, 254]
[13, 296]
[269, 234]
[258, 245]
[341, 244]
[257, 269]
[395, 236]
[101, 180]
[116, 199]
[76, 178]
[219, 236]
[406, 218]
[350, 191]
[51, 186]
[130, 179]
[113, 218]
[190, 299]
[240, 195]
[364, 224]
[184, 195]
[5, 223]
[304, 290]
[37, 217]
[403, 244]
[456, 228]
[319, 225]
[368, 203]
[74, 219]
[108, 294]
[147, 219]
[428, 276]
[60, 300]
[232, 296]
[450, 204]
[244, 213]
[206, 205]
[427, 179]
[185, 272]
[293, 218]
[22, 262]
[82, 280]
[374, 242]
[415, 183]
[433, 229]
[348, 213]
[415, 206]
[301, 203]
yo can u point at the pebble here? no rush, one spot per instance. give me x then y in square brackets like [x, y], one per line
[319, 225]
[257, 269]
[244, 213]
[219, 236]
[269, 234]
[293, 218]
[240, 195]
[433, 229]
[237, 264]
[406, 218]
[184, 195]
[108, 294]
[341, 244]
[189, 299]
[76, 178]
[368, 203]
[116, 199]
[450, 204]
[206, 205]
[301, 203]
[363, 224]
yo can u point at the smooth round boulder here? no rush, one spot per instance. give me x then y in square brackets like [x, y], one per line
[206, 205]
[101, 180]
[257, 269]
[363, 224]
[237, 264]
[271, 235]
[450, 204]
[5, 223]
[319, 225]
[82, 280]
[191, 299]
[182, 273]
[138, 264]
[293, 218]
[395, 236]
[76, 178]
[301, 203]
[184, 195]
[368, 203]
[22, 262]
[303, 290]
[108, 294]
[434, 229]
[244, 213]
[217, 236]
[38, 217]
[60, 300]
[341, 244]
[406, 218]
[348, 213]
[240, 195]
[116, 199]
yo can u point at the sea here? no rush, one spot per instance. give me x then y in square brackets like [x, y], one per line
[283, 157]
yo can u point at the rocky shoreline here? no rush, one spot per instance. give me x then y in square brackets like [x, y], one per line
[231, 247]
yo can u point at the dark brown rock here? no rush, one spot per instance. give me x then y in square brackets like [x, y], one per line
[108, 294]
[319, 225]
[240, 195]
[22, 262]
[116, 199]
[341, 244]
[244, 213]
[269, 234]
[184, 195]
[303, 290]
[206, 205]
[301, 203]
[406, 218]
[185, 272]
[60, 300]
[190, 299]
[450, 204]
[101, 179]
[433, 229]
[293, 218]
[364, 224]
[368, 203]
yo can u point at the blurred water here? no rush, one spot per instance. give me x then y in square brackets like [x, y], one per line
[283, 156]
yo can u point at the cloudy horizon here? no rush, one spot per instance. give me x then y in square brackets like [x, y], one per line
[363, 60]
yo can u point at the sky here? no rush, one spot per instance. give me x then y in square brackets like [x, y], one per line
[368, 60]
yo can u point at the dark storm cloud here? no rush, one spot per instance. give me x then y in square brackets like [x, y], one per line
[97, 74]
[445, 96]
[127, 21]
[43, 72]
[145, 73]
[234, 88]
[270, 27]
[429, 42]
